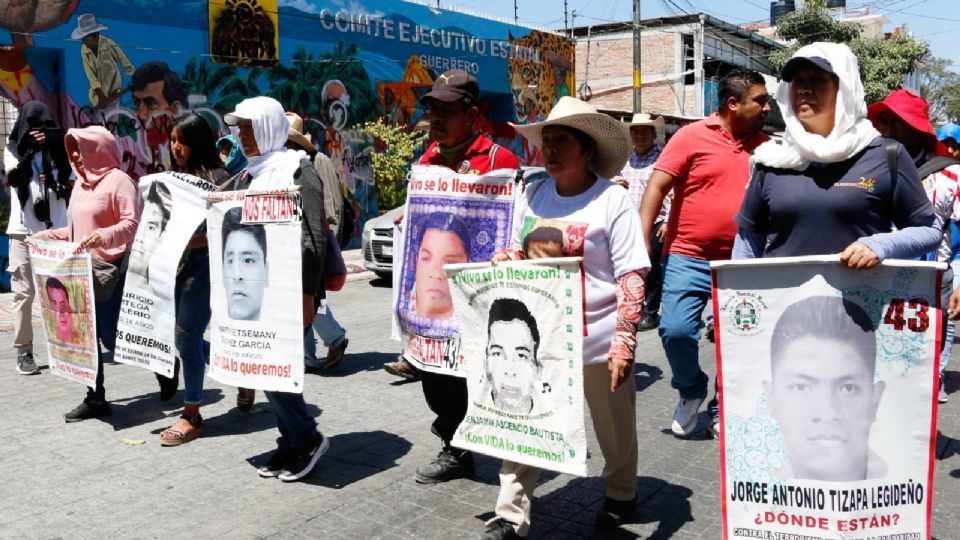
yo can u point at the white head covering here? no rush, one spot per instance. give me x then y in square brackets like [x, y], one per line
[852, 132]
[270, 129]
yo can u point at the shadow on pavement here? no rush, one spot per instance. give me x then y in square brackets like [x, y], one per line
[357, 362]
[646, 375]
[353, 457]
[382, 282]
[145, 408]
[571, 511]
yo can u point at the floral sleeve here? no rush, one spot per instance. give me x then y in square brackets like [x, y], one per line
[629, 310]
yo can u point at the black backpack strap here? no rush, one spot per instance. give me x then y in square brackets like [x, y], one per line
[893, 154]
[935, 165]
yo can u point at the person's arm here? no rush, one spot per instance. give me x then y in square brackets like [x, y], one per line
[314, 228]
[748, 245]
[88, 59]
[127, 204]
[10, 159]
[658, 187]
[125, 63]
[913, 216]
[624, 344]
[901, 244]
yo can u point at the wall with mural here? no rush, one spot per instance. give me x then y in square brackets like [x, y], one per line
[132, 65]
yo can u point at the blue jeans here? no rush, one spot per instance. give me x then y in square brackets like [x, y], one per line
[686, 292]
[108, 314]
[298, 430]
[193, 315]
[951, 280]
[328, 330]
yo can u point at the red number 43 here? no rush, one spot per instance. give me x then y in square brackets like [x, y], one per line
[920, 320]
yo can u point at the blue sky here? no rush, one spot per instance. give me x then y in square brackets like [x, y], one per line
[936, 21]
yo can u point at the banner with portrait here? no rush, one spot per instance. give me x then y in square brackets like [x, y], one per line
[828, 383]
[522, 331]
[256, 292]
[451, 218]
[63, 278]
[174, 205]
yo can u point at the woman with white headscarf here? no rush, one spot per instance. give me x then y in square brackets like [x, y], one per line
[834, 185]
[262, 129]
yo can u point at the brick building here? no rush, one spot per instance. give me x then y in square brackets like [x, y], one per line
[682, 58]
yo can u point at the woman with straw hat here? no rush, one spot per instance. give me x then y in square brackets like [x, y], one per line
[582, 149]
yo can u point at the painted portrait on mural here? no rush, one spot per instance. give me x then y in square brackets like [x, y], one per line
[23, 17]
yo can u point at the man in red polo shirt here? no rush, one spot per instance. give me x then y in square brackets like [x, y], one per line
[707, 164]
[451, 106]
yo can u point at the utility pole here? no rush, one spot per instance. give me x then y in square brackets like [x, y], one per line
[636, 56]
[514, 11]
[566, 28]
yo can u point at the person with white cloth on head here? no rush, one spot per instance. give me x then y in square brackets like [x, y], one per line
[262, 129]
[834, 185]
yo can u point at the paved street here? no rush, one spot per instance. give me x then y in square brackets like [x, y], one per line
[83, 481]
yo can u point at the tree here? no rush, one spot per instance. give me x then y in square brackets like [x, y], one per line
[394, 146]
[941, 88]
[884, 62]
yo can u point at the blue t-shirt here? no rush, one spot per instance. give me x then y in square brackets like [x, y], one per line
[829, 206]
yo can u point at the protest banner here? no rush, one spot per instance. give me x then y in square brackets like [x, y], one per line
[256, 292]
[450, 218]
[828, 383]
[174, 205]
[521, 339]
[63, 279]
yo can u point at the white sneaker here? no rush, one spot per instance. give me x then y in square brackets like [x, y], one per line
[685, 416]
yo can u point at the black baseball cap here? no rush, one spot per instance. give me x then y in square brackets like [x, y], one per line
[454, 85]
[790, 68]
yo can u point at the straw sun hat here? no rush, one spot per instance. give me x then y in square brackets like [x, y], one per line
[611, 135]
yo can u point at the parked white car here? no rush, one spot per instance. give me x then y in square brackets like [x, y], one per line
[377, 243]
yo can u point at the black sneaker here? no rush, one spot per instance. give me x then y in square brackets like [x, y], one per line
[649, 321]
[26, 365]
[300, 464]
[449, 464]
[274, 466]
[615, 513]
[88, 408]
[500, 529]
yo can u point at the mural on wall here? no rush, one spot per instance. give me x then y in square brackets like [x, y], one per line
[23, 17]
[134, 65]
[244, 32]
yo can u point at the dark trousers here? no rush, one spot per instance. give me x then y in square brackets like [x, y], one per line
[298, 430]
[447, 397]
[653, 288]
[108, 314]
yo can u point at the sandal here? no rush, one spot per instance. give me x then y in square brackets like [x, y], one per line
[175, 436]
[245, 398]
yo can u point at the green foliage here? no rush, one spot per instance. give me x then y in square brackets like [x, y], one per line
[395, 146]
[941, 88]
[883, 62]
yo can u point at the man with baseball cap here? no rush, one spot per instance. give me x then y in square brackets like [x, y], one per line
[451, 107]
[904, 116]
